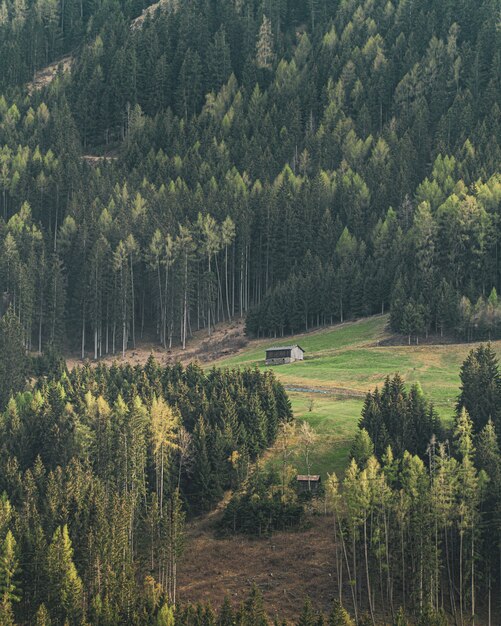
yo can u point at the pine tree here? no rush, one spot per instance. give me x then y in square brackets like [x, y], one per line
[226, 615]
[254, 613]
[480, 387]
[203, 476]
[362, 448]
[307, 617]
[42, 616]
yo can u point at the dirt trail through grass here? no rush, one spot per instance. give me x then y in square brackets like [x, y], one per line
[331, 391]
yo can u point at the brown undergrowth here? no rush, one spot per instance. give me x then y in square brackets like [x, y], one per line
[287, 567]
[226, 339]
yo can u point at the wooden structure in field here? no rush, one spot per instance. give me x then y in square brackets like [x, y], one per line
[284, 354]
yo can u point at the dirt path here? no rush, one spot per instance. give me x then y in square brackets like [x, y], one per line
[331, 391]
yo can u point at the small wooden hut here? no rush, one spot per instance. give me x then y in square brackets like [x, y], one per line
[308, 483]
[284, 354]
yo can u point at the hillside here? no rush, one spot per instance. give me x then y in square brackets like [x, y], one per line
[352, 358]
[202, 176]
[341, 364]
[296, 166]
[286, 567]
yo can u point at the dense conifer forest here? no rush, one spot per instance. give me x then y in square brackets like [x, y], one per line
[101, 466]
[294, 163]
[98, 469]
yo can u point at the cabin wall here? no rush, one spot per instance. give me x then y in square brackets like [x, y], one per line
[303, 486]
[279, 361]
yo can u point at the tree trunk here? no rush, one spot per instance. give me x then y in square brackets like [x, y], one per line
[473, 576]
[369, 593]
[226, 283]
[209, 297]
[351, 580]
[83, 332]
[132, 303]
[461, 534]
[161, 495]
[185, 303]
[160, 297]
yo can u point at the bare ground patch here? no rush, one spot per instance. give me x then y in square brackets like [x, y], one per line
[287, 567]
[46, 75]
[226, 339]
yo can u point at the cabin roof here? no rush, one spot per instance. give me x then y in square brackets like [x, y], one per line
[276, 348]
[313, 478]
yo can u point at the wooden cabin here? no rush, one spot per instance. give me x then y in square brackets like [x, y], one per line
[284, 354]
[308, 483]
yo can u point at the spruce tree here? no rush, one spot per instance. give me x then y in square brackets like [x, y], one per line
[480, 387]
[13, 362]
[264, 46]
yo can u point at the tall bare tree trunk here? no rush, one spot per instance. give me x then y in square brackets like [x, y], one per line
[369, 592]
[132, 303]
[83, 332]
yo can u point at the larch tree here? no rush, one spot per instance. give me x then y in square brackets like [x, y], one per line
[264, 46]
[228, 234]
[210, 246]
[9, 570]
[164, 428]
[66, 589]
[185, 248]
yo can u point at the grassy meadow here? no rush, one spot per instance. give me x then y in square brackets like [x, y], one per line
[343, 362]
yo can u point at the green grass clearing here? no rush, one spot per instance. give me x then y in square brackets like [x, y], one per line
[352, 357]
[334, 420]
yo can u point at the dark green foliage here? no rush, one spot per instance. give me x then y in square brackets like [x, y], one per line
[13, 360]
[97, 467]
[253, 611]
[226, 615]
[307, 617]
[50, 363]
[297, 163]
[356, 177]
[260, 507]
[404, 420]
[481, 387]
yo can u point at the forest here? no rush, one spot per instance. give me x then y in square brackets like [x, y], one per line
[294, 163]
[98, 470]
[101, 467]
[290, 163]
